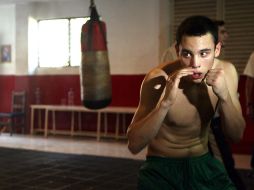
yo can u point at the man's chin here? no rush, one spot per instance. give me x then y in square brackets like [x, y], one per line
[195, 79]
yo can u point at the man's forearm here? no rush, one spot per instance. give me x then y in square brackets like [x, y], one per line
[232, 119]
[141, 132]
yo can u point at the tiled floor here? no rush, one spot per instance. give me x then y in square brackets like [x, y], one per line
[28, 169]
[88, 146]
[80, 170]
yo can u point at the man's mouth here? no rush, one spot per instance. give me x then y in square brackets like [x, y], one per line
[196, 75]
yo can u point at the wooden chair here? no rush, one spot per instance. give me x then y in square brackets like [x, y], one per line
[15, 118]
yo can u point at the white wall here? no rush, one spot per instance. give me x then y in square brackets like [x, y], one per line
[136, 31]
[22, 12]
[7, 36]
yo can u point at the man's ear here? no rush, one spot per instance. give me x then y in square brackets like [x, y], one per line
[217, 49]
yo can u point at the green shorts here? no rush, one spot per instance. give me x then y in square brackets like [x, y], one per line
[194, 173]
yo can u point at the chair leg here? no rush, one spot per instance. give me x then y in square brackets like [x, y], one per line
[24, 126]
[11, 127]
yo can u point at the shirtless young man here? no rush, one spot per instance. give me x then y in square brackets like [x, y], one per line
[177, 103]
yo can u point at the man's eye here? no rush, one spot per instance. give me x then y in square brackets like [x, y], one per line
[186, 54]
[203, 54]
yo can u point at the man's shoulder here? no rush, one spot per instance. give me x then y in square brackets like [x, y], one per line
[229, 70]
[163, 69]
[252, 54]
[221, 63]
[251, 58]
[155, 72]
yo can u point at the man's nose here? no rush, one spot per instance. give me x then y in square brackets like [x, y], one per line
[195, 63]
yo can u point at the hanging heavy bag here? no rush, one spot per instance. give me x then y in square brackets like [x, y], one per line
[95, 72]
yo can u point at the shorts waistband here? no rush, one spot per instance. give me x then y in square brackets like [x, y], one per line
[192, 159]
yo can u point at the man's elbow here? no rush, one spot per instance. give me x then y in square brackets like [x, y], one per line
[242, 129]
[132, 148]
[137, 141]
[236, 139]
[132, 141]
[239, 135]
[133, 145]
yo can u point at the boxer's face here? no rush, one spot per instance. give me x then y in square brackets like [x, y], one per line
[198, 52]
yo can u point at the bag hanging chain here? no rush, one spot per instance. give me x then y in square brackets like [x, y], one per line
[92, 3]
[94, 16]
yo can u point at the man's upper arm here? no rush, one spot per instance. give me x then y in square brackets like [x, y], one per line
[232, 83]
[151, 89]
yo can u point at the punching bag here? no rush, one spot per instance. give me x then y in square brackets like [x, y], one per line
[95, 72]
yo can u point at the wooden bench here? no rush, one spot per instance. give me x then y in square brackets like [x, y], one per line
[78, 109]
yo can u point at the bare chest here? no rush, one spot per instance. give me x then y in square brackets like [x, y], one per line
[192, 109]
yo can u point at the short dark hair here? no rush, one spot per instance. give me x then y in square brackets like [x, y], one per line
[197, 26]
